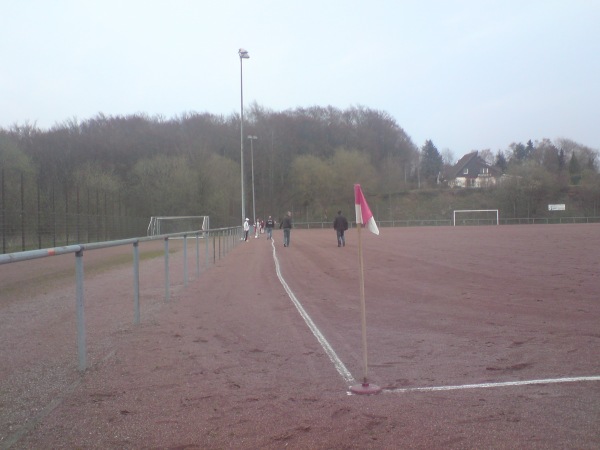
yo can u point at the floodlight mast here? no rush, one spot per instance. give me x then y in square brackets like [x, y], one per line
[252, 138]
[243, 55]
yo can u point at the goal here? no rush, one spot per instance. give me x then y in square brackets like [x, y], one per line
[475, 217]
[177, 224]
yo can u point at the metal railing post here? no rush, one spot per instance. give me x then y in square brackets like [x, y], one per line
[80, 310]
[215, 249]
[197, 255]
[167, 292]
[136, 283]
[185, 261]
[207, 236]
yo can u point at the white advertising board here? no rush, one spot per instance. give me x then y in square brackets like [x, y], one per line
[558, 207]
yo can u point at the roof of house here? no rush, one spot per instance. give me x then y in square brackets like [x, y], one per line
[457, 169]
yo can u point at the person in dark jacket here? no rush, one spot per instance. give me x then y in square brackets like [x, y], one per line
[340, 224]
[286, 224]
[269, 225]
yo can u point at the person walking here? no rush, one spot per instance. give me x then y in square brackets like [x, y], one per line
[340, 224]
[246, 229]
[286, 224]
[269, 226]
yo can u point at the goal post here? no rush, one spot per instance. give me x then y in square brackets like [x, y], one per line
[177, 224]
[476, 216]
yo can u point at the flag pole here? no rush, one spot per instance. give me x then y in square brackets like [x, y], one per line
[363, 309]
[364, 387]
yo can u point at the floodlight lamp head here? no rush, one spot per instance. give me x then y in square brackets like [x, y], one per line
[243, 53]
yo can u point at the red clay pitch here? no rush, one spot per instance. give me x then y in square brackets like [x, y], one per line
[229, 362]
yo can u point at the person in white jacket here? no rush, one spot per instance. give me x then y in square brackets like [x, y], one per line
[246, 229]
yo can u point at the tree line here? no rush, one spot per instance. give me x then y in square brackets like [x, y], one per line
[305, 160]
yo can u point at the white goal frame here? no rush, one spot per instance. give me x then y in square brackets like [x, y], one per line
[474, 210]
[155, 225]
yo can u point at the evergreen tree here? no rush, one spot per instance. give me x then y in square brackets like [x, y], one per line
[431, 163]
[529, 149]
[519, 153]
[574, 169]
[562, 160]
[501, 162]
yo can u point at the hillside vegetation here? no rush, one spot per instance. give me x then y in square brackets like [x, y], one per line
[305, 160]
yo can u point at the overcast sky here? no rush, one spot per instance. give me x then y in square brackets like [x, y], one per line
[467, 74]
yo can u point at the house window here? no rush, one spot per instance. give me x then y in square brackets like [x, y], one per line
[485, 170]
[466, 172]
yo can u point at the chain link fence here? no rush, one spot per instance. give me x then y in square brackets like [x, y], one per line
[35, 216]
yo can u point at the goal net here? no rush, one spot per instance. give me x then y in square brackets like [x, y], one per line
[177, 224]
[475, 217]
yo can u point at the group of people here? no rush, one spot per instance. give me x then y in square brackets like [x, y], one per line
[261, 226]
[340, 225]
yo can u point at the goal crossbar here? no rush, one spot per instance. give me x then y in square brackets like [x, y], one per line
[155, 227]
[474, 211]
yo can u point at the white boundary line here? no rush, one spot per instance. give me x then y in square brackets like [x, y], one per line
[348, 378]
[490, 385]
[339, 365]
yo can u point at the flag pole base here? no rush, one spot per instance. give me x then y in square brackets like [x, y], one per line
[365, 389]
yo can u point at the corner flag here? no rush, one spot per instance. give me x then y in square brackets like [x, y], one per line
[364, 215]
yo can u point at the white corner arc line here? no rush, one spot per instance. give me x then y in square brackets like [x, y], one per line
[490, 385]
[339, 365]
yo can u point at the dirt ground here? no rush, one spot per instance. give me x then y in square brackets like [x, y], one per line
[230, 362]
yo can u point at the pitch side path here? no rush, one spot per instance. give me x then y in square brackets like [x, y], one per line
[481, 337]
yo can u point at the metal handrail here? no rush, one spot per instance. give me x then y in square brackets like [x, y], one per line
[230, 237]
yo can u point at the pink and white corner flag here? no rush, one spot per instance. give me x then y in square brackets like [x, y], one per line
[363, 213]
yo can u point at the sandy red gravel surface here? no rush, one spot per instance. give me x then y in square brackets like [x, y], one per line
[229, 361]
